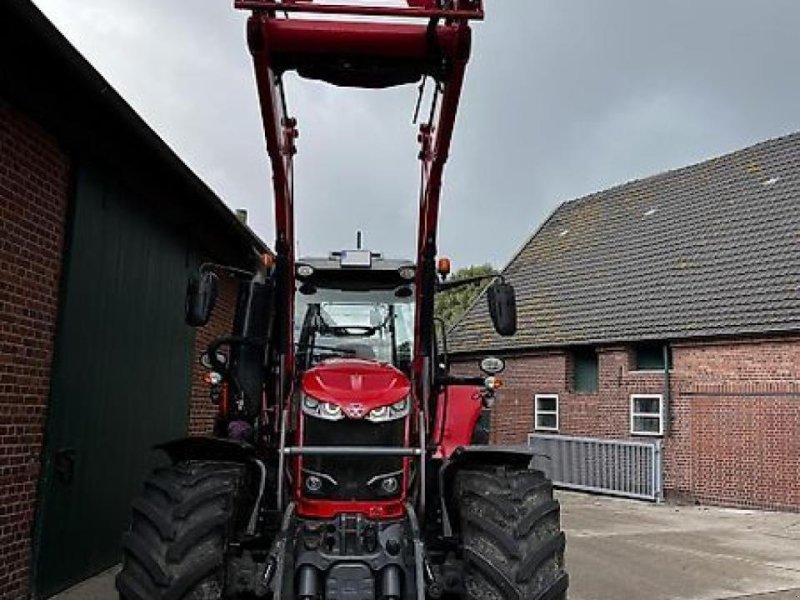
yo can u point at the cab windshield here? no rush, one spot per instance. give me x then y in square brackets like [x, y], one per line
[369, 324]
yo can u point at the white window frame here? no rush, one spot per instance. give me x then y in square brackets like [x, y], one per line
[660, 414]
[537, 412]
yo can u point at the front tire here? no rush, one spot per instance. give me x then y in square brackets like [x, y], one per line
[512, 539]
[180, 530]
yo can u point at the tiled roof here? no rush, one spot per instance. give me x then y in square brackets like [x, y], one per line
[707, 250]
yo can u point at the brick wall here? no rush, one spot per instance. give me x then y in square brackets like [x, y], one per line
[603, 414]
[34, 176]
[201, 411]
[735, 408]
[742, 440]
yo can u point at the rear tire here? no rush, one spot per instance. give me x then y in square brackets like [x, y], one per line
[511, 532]
[180, 530]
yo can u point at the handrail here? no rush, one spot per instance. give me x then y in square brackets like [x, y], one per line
[351, 451]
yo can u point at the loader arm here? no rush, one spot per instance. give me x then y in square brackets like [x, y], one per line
[359, 478]
[373, 50]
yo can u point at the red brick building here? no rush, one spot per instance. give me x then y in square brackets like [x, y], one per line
[100, 226]
[697, 268]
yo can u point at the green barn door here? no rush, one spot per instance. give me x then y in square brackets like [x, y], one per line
[121, 378]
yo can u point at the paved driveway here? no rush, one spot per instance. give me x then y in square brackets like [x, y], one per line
[626, 550]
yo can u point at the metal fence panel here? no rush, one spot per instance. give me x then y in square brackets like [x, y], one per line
[617, 467]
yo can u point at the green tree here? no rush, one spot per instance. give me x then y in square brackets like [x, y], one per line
[452, 304]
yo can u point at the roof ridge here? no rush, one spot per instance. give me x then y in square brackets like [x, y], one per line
[672, 172]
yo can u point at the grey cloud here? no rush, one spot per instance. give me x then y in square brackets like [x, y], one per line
[564, 97]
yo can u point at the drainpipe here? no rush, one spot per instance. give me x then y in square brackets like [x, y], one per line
[665, 404]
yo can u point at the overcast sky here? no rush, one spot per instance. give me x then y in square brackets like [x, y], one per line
[563, 98]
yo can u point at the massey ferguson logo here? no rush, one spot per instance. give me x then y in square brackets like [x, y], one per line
[356, 382]
[355, 411]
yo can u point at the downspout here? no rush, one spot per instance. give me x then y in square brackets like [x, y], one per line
[665, 404]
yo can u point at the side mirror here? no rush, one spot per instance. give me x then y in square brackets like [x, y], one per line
[201, 295]
[503, 308]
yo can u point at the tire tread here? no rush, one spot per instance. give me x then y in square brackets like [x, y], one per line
[513, 545]
[179, 530]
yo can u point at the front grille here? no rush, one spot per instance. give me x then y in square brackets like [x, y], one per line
[352, 477]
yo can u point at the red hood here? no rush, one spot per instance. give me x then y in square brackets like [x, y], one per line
[350, 381]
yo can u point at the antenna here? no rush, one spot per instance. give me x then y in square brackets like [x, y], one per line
[358, 239]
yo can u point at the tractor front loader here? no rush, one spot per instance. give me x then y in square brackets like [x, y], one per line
[346, 461]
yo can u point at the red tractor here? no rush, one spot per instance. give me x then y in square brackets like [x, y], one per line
[347, 462]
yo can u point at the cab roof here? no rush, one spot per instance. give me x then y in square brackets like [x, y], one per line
[349, 260]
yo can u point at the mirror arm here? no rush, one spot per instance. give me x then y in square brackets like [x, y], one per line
[444, 286]
[457, 380]
[208, 266]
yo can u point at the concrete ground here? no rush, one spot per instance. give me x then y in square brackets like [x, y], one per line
[628, 550]
[623, 549]
[99, 587]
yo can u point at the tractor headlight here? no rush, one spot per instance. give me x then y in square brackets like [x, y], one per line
[398, 410]
[322, 410]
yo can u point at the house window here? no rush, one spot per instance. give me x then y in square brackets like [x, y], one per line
[585, 377]
[646, 414]
[650, 357]
[546, 412]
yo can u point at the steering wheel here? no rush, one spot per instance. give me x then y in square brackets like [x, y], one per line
[349, 330]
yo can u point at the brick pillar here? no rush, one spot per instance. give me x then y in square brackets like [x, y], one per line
[34, 175]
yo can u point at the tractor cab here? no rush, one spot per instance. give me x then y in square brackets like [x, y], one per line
[354, 305]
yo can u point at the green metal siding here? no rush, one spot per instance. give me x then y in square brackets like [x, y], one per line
[121, 376]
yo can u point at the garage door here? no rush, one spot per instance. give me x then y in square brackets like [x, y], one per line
[121, 377]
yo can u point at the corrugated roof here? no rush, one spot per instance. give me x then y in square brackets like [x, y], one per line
[707, 250]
